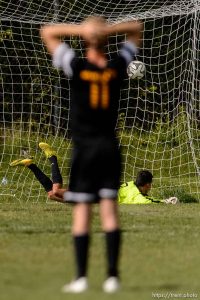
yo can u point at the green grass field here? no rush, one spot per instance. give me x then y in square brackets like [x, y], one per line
[160, 254]
[161, 244]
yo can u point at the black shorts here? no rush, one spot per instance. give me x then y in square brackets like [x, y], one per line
[95, 170]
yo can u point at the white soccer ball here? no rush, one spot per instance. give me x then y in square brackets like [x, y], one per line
[136, 69]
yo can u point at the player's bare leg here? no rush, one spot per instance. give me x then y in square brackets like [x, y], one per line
[110, 225]
[56, 187]
[81, 218]
[57, 193]
[56, 197]
[109, 214]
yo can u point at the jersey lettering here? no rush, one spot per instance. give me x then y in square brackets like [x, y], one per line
[99, 86]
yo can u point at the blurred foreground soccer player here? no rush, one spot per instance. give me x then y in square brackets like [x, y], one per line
[137, 192]
[95, 170]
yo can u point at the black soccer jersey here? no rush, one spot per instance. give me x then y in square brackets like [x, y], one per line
[95, 97]
[95, 91]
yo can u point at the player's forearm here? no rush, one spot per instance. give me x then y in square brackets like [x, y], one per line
[52, 34]
[133, 29]
[126, 27]
[59, 30]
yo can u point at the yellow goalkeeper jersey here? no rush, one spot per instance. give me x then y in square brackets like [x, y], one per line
[130, 194]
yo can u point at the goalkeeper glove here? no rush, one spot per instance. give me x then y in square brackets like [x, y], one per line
[171, 200]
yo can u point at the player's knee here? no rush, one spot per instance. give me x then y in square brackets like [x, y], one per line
[110, 225]
[50, 195]
[109, 221]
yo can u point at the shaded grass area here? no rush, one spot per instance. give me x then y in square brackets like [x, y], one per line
[160, 251]
[172, 164]
[164, 150]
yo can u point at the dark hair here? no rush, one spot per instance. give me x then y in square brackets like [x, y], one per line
[143, 177]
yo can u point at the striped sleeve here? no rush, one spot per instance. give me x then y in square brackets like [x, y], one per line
[63, 57]
[128, 51]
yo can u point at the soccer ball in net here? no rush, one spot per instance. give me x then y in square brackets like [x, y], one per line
[136, 69]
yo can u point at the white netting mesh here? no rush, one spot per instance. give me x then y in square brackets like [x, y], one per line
[159, 116]
[47, 11]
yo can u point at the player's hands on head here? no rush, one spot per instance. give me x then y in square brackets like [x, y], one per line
[94, 32]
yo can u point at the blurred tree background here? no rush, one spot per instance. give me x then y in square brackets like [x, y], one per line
[34, 97]
[35, 94]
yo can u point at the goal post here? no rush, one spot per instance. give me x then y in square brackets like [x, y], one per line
[159, 116]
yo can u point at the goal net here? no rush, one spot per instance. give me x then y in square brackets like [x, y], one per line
[159, 115]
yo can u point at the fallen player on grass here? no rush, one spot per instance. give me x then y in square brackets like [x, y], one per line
[137, 192]
[129, 193]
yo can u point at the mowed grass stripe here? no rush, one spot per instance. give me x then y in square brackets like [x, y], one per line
[160, 252]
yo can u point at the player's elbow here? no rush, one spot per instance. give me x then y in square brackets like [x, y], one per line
[51, 195]
[47, 33]
[139, 26]
[44, 32]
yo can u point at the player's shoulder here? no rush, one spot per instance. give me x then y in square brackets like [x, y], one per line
[78, 64]
[127, 184]
[128, 52]
[129, 47]
[117, 61]
[77, 61]
[115, 56]
[82, 63]
[125, 54]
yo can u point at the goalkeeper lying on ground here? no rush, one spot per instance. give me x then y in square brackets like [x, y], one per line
[129, 192]
[137, 192]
